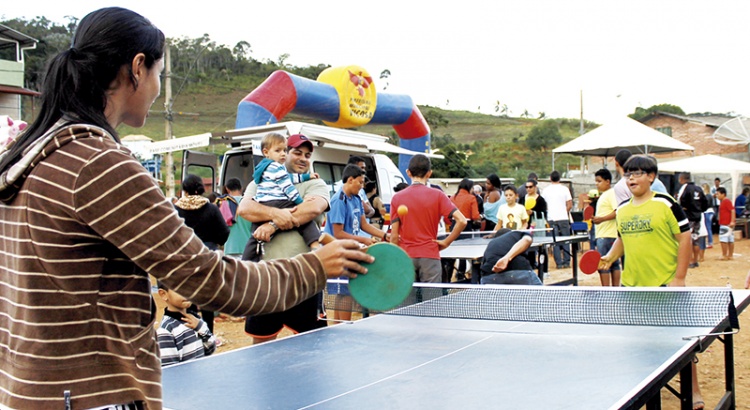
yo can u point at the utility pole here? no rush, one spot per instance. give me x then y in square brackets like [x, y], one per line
[168, 159]
[582, 131]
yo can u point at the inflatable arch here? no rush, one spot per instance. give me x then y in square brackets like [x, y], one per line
[342, 97]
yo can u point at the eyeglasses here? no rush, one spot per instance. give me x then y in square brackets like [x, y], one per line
[529, 186]
[636, 174]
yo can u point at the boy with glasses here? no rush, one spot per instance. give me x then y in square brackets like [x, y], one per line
[654, 233]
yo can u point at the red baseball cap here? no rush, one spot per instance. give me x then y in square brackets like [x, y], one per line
[294, 141]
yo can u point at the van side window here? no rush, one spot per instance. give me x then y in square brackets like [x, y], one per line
[241, 167]
[396, 179]
[330, 173]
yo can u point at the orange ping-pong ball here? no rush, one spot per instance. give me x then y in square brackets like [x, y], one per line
[402, 210]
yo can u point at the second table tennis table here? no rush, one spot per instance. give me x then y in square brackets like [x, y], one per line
[472, 249]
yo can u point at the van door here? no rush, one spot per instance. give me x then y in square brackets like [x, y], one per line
[238, 164]
[203, 164]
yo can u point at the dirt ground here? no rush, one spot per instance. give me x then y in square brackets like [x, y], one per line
[712, 272]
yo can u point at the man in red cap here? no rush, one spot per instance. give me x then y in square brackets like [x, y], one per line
[274, 227]
[276, 188]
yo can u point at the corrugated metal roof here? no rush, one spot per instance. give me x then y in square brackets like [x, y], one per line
[712, 120]
[22, 39]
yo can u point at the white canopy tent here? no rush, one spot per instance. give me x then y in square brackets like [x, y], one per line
[625, 133]
[710, 164]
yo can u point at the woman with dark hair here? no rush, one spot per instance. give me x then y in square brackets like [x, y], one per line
[200, 214]
[537, 214]
[84, 224]
[492, 201]
[466, 202]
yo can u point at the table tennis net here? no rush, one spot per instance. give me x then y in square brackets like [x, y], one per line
[625, 306]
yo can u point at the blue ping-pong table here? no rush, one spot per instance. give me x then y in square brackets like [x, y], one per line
[499, 347]
[472, 249]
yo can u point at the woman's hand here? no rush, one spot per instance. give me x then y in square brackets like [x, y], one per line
[343, 257]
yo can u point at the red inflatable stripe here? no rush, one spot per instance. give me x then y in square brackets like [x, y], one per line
[414, 127]
[277, 94]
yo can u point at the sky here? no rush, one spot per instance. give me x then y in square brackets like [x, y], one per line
[531, 55]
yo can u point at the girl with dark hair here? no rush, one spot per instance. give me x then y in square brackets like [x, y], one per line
[82, 77]
[84, 224]
[466, 202]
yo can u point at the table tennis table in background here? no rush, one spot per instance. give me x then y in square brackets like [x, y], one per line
[488, 346]
[472, 249]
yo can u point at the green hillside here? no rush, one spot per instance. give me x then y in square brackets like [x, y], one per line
[210, 79]
[490, 143]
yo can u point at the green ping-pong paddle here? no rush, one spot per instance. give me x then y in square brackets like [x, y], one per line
[388, 281]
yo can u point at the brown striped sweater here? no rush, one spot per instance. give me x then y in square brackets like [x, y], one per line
[81, 222]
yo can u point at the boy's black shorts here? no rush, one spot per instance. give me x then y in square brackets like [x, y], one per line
[301, 318]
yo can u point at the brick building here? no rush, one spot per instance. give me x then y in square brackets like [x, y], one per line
[697, 131]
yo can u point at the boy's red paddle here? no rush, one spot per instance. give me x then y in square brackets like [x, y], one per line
[388, 280]
[590, 261]
[588, 213]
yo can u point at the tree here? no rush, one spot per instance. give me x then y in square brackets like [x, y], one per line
[505, 111]
[544, 136]
[454, 165]
[435, 119]
[641, 112]
[442, 140]
[242, 50]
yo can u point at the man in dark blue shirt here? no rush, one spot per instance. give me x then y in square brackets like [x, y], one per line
[504, 263]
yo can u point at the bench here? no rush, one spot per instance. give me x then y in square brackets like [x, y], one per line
[743, 225]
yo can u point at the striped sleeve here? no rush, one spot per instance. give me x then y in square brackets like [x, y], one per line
[208, 338]
[117, 198]
[299, 178]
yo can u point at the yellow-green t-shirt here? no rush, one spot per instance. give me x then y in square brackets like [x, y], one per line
[648, 234]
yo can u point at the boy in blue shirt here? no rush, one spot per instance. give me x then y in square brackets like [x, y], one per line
[345, 220]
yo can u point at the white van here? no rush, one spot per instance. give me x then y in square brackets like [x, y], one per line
[333, 147]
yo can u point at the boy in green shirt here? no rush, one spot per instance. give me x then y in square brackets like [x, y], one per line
[654, 234]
